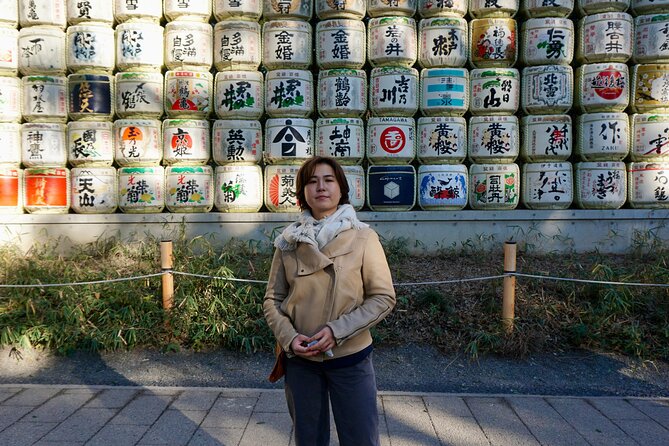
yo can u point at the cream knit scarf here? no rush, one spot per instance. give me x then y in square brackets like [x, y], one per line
[318, 232]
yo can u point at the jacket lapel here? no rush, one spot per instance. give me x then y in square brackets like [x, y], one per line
[310, 259]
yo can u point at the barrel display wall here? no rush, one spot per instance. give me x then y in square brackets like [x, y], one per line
[143, 106]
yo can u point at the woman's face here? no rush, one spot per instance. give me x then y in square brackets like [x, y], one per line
[322, 191]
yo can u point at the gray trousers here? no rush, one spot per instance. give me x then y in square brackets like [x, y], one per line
[352, 393]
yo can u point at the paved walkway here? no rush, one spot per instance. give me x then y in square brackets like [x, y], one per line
[105, 415]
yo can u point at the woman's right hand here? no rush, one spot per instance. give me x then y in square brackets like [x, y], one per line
[299, 347]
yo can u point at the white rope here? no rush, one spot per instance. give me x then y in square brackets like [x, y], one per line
[599, 282]
[231, 279]
[442, 282]
[93, 282]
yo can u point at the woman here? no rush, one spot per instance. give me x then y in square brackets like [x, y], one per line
[328, 285]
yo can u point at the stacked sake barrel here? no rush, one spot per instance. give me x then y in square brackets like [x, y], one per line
[604, 45]
[289, 98]
[237, 139]
[11, 174]
[547, 50]
[444, 99]
[342, 90]
[495, 85]
[44, 61]
[189, 90]
[392, 50]
[648, 169]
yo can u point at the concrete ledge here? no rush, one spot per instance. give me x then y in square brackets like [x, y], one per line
[609, 231]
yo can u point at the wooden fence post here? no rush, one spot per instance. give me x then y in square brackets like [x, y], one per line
[509, 296]
[166, 264]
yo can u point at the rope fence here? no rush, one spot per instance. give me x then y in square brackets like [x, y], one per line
[167, 275]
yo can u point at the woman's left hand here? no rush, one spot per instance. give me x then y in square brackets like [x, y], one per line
[325, 338]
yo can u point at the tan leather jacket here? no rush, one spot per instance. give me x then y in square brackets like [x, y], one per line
[346, 286]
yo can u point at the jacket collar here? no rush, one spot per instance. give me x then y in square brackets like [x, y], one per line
[310, 259]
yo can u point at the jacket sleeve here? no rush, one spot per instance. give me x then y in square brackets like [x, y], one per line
[277, 290]
[379, 298]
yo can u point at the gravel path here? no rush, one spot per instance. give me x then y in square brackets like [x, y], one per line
[408, 368]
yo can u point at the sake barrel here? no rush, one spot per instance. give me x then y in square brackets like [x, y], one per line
[602, 136]
[341, 43]
[188, 45]
[9, 51]
[189, 188]
[46, 190]
[391, 188]
[602, 87]
[236, 141]
[42, 50]
[437, 8]
[11, 198]
[289, 93]
[91, 96]
[238, 188]
[494, 91]
[651, 88]
[543, 8]
[651, 43]
[10, 99]
[10, 141]
[493, 42]
[139, 46]
[600, 185]
[341, 9]
[139, 95]
[442, 140]
[639, 7]
[196, 10]
[90, 143]
[493, 139]
[650, 137]
[381, 8]
[341, 138]
[442, 42]
[141, 190]
[44, 12]
[494, 186]
[288, 140]
[144, 10]
[44, 98]
[605, 37]
[286, 44]
[547, 89]
[444, 91]
[93, 190]
[89, 48]
[355, 177]
[186, 142]
[43, 145]
[287, 9]
[586, 7]
[547, 41]
[546, 138]
[342, 93]
[393, 91]
[138, 142]
[238, 9]
[239, 94]
[442, 187]
[547, 185]
[188, 94]
[280, 188]
[391, 140]
[9, 13]
[237, 45]
[496, 8]
[391, 41]
[648, 185]
[101, 11]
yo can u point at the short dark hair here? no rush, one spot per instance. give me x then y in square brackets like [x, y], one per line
[306, 172]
